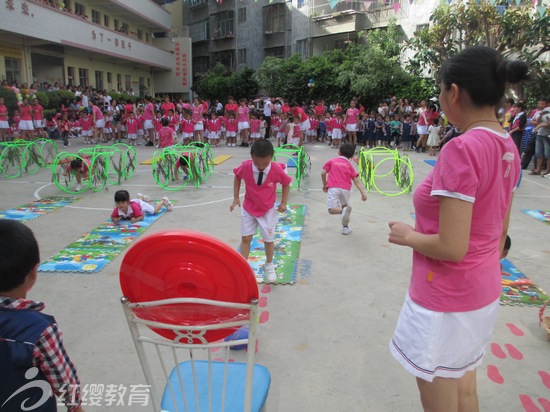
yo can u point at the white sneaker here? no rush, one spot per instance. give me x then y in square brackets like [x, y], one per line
[168, 204]
[270, 274]
[143, 197]
[78, 188]
[346, 230]
[346, 212]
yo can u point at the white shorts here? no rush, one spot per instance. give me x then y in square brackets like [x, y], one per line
[145, 207]
[214, 135]
[305, 125]
[140, 132]
[222, 129]
[87, 133]
[296, 141]
[351, 127]
[336, 134]
[26, 125]
[336, 197]
[422, 129]
[148, 124]
[132, 136]
[432, 344]
[266, 223]
[243, 125]
[231, 134]
[38, 124]
[108, 130]
[199, 127]
[100, 123]
[255, 135]
[281, 135]
[4, 124]
[185, 135]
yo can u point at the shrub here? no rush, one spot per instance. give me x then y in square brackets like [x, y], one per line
[9, 99]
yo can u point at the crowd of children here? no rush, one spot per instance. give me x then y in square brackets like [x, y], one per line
[103, 121]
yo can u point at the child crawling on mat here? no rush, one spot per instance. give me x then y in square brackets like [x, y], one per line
[80, 166]
[134, 209]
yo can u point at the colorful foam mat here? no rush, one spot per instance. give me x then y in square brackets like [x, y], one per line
[288, 238]
[518, 289]
[431, 162]
[97, 248]
[540, 215]
[32, 210]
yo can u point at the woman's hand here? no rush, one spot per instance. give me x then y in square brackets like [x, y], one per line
[399, 232]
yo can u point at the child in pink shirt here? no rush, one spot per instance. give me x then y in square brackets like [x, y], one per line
[167, 136]
[261, 176]
[134, 209]
[254, 128]
[338, 185]
[214, 125]
[231, 125]
[131, 128]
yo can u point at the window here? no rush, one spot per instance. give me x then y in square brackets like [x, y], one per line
[223, 26]
[275, 52]
[140, 34]
[109, 77]
[106, 21]
[124, 28]
[200, 31]
[127, 82]
[420, 27]
[83, 77]
[117, 24]
[70, 75]
[242, 56]
[226, 57]
[99, 80]
[242, 15]
[201, 64]
[96, 17]
[274, 18]
[119, 82]
[147, 37]
[301, 48]
[13, 69]
[79, 9]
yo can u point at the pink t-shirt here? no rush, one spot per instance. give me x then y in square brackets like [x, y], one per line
[97, 111]
[25, 112]
[351, 116]
[255, 126]
[214, 125]
[134, 210]
[231, 125]
[149, 112]
[187, 126]
[37, 111]
[483, 168]
[166, 137]
[132, 126]
[166, 107]
[197, 113]
[340, 173]
[3, 112]
[259, 199]
[242, 114]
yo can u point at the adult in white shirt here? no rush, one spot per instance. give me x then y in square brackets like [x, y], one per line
[268, 107]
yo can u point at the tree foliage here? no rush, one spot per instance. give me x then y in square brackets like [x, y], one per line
[220, 82]
[517, 32]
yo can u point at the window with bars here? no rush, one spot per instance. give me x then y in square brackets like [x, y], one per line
[242, 15]
[99, 80]
[301, 48]
[79, 9]
[242, 56]
[223, 24]
[83, 77]
[96, 17]
[13, 69]
[275, 52]
[274, 18]
[106, 20]
[140, 34]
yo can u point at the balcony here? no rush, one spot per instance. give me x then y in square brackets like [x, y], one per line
[200, 31]
[379, 14]
[346, 21]
[195, 4]
[79, 36]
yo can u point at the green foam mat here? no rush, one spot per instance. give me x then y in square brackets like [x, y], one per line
[41, 207]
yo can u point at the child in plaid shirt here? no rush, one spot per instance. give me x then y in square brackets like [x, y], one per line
[31, 349]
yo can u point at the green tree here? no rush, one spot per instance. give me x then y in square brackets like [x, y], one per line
[221, 82]
[517, 32]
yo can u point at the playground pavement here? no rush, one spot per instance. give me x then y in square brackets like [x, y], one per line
[325, 338]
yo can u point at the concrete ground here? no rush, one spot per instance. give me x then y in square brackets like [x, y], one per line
[326, 337]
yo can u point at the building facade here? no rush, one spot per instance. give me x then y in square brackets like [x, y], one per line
[241, 33]
[112, 45]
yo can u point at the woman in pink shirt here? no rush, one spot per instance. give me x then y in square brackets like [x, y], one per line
[167, 105]
[231, 106]
[98, 122]
[26, 125]
[243, 120]
[352, 115]
[197, 111]
[462, 214]
[4, 121]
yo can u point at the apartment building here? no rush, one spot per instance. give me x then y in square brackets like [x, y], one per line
[113, 45]
[241, 33]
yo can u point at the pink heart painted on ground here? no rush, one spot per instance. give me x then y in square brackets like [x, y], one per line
[528, 403]
[262, 302]
[545, 376]
[266, 289]
[497, 351]
[545, 403]
[513, 351]
[494, 374]
[264, 316]
[514, 329]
